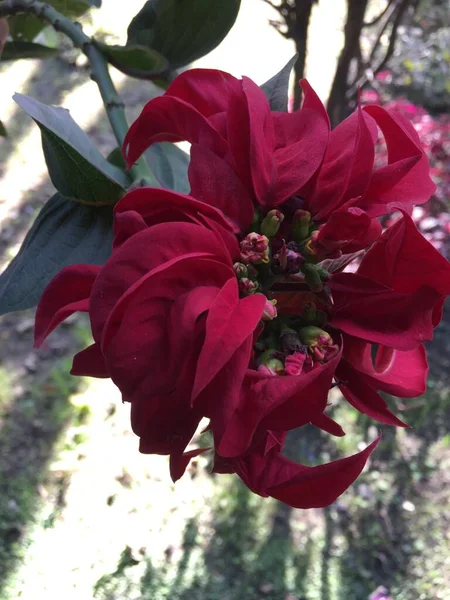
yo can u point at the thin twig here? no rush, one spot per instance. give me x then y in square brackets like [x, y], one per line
[378, 18]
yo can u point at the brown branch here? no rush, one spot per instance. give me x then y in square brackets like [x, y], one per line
[337, 101]
[300, 34]
[371, 71]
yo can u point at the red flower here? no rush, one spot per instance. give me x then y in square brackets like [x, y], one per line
[176, 333]
[244, 155]
[231, 304]
[166, 315]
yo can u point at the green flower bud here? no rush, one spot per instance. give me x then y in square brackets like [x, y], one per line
[311, 334]
[269, 364]
[314, 276]
[300, 225]
[271, 223]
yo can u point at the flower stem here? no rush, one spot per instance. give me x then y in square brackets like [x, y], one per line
[100, 74]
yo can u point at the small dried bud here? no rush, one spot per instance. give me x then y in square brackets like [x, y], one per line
[271, 223]
[301, 224]
[290, 341]
[255, 249]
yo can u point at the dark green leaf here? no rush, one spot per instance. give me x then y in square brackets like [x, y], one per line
[21, 49]
[134, 60]
[168, 163]
[76, 167]
[277, 88]
[116, 158]
[170, 166]
[26, 27]
[183, 30]
[64, 233]
[3, 132]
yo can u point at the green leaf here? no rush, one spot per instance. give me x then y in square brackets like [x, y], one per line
[183, 30]
[136, 61]
[3, 132]
[168, 163]
[21, 49]
[64, 233]
[76, 167]
[277, 88]
[170, 166]
[26, 27]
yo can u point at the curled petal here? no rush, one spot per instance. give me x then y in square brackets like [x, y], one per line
[347, 166]
[405, 181]
[168, 119]
[208, 90]
[66, 294]
[313, 487]
[179, 462]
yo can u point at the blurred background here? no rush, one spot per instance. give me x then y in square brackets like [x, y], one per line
[83, 515]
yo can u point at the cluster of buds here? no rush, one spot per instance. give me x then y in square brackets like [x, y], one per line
[297, 350]
[247, 278]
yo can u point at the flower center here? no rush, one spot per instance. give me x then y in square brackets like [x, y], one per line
[281, 261]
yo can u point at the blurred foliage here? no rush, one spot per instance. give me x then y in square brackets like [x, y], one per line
[420, 65]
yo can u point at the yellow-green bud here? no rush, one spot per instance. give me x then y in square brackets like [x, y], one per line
[271, 223]
[301, 224]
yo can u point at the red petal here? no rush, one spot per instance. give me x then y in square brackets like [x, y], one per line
[404, 260]
[364, 309]
[213, 181]
[144, 252]
[278, 403]
[89, 363]
[405, 181]
[402, 374]
[262, 143]
[150, 206]
[314, 487]
[347, 166]
[327, 424]
[168, 119]
[208, 90]
[302, 139]
[230, 322]
[363, 397]
[179, 462]
[66, 294]
[350, 229]
[139, 363]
